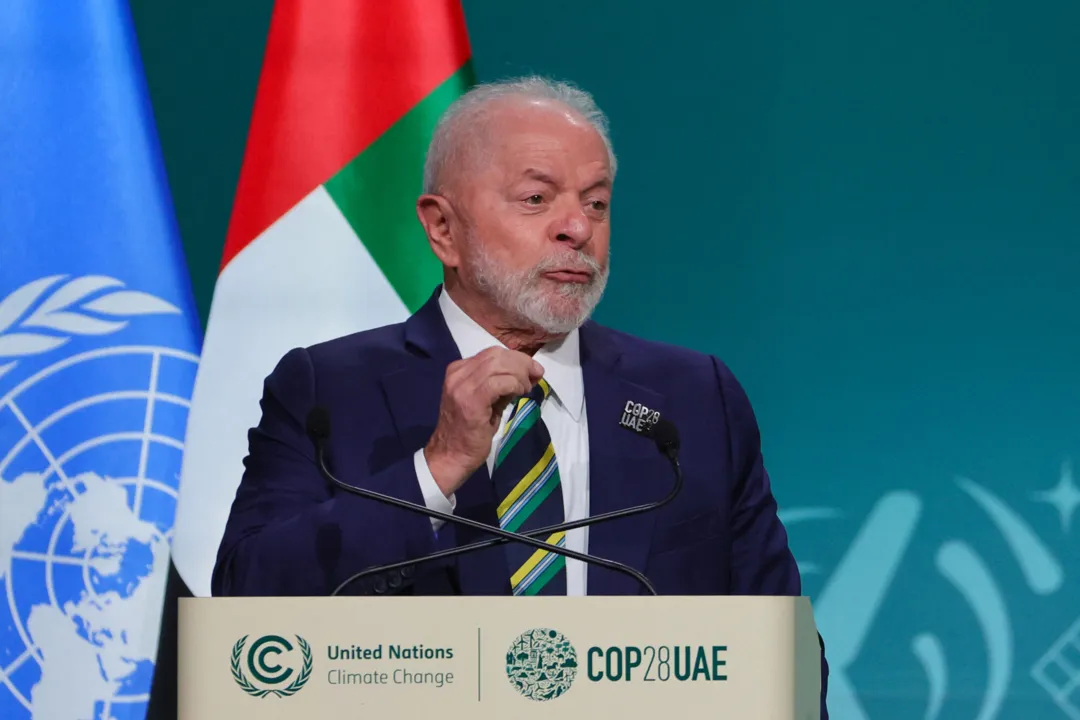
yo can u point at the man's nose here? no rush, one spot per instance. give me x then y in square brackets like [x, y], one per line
[574, 228]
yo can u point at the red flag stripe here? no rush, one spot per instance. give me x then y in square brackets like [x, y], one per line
[336, 75]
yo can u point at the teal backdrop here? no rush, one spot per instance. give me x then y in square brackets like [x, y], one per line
[871, 212]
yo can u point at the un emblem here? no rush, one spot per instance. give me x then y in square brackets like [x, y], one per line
[269, 675]
[95, 384]
[541, 664]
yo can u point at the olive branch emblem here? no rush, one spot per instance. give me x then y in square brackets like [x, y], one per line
[35, 318]
[247, 686]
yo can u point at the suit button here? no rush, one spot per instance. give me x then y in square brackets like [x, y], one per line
[395, 580]
[380, 585]
[407, 571]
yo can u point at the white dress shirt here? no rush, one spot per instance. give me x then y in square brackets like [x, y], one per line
[564, 415]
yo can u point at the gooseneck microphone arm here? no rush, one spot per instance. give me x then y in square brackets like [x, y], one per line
[318, 427]
[666, 439]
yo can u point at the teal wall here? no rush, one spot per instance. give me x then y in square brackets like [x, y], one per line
[871, 211]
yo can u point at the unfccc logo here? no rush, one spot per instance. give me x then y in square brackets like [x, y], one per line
[262, 660]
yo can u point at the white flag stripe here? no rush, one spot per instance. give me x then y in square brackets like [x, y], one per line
[305, 280]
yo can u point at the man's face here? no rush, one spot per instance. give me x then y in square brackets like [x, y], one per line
[536, 201]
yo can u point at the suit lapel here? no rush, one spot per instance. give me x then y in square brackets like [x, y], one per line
[413, 393]
[625, 469]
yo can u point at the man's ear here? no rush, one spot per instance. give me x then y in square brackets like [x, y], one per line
[438, 218]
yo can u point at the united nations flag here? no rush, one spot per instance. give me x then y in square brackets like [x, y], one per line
[98, 352]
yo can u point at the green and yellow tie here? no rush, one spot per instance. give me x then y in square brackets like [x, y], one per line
[526, 478]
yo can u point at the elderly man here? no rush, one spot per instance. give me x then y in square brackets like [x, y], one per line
[500, 401]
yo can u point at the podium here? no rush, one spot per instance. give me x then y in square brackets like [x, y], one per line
[752, 658]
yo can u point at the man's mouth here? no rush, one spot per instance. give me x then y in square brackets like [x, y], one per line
[570, 276]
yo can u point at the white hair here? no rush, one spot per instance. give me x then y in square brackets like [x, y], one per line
[456, 128]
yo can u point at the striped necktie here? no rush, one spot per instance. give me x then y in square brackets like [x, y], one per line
[526, 479]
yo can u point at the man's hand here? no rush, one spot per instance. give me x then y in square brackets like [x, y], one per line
[475, 393]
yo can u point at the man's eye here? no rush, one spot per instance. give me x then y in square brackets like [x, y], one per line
[599, 205]
[534, 199]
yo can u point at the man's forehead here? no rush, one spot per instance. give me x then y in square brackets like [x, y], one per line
[520, 138]
[529, 145]
[526, 108]
[517, 119]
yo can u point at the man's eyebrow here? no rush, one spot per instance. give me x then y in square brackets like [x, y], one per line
[537, 174]
[604, 182]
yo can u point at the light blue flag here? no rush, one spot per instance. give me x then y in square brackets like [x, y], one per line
[98, 352]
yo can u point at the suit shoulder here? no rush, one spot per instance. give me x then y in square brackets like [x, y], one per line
[377, 339]
[658, 356]
[365, 349]
[681, 369]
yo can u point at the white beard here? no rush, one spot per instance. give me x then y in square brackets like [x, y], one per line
[522, 293]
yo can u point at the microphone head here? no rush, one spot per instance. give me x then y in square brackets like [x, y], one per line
[665, 435]
[318, 424]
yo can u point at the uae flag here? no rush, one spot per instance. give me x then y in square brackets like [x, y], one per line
[323, 240]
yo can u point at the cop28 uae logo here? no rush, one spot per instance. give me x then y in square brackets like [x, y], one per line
[541, 664]
[270, 677]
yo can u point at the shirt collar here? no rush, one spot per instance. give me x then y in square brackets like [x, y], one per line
[560, 359]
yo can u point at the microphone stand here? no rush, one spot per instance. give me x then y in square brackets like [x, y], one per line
[584, 522]
[502, 534]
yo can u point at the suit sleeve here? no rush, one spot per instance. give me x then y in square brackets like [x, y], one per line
[290, 532]
[762, 562]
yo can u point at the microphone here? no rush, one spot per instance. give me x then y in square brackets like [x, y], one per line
[661, 430]
[318, 429]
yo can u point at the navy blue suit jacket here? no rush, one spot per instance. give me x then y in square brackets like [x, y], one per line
[291, 533]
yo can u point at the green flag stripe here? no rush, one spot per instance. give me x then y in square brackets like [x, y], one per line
[377, 191]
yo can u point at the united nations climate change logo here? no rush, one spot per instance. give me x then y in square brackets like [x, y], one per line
[541, 664]
[270, 676]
